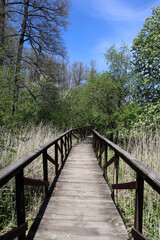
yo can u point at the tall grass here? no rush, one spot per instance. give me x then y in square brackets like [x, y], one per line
[13, 146]
[145, 146]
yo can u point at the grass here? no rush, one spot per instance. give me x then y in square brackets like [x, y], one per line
[145, 146]
[13, 147]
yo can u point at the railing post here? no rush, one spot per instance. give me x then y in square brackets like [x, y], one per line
[93, 140]
[139, 204]
[84, 133]
[56, 158]
[79, 136]
[115, 177]
[68, 142]
[80, 133]
[105, 161]
[20, 206]
[65, 146]
[61, 151]
[97, 146]
[100, 156]
[45, 170]
[95, 143]
[71, 139]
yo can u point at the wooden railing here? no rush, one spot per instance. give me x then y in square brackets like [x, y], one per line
[62, 144]
[143, 173]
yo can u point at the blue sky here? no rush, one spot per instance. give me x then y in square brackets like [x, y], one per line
[95, 25]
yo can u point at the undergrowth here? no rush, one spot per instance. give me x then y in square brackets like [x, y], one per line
[13, 146]
[145, 146]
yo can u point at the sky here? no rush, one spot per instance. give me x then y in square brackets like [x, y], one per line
[95, 25]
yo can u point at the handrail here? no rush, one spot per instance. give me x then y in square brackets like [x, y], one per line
[63, 144]
[100, 145]
[150, 176]
[10, 171]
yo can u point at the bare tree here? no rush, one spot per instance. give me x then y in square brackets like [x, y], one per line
[2, 28]
[39, 24]
[78, 73]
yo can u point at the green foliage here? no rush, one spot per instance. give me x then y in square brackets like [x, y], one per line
[146, 59]
[6, 89]
[147, 116]
[103, 94]
[78, 110]
[95, 103]
[120, 69]
[119, 62]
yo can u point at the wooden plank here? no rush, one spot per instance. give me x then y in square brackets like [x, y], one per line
[81, 204]
[79, 233]
[129, 185]
[137, 235]
[35, 182]
[15, 232]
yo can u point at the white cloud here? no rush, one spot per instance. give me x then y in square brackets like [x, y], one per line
[123, 18]
[115, 10]
[118, 10]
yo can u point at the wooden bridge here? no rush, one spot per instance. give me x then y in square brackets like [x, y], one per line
[78, 205]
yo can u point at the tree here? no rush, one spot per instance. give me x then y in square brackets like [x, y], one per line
[146, 59]
[2, 27]
[92, 69]
[103, 98]
[120, 69]
[78, 73]
[39, 25]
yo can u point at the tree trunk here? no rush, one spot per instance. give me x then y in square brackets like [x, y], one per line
[2, 27]
[19, 57]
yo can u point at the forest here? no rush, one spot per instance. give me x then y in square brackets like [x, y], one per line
[40, 87]
[38, 84]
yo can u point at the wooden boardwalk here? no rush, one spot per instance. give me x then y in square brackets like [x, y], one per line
[81, 207]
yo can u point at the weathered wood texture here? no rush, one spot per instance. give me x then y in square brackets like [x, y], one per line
[81, 207]
[143, 173]
[16, 170]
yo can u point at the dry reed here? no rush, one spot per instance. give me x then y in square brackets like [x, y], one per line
[13, 147]
[145, 146]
